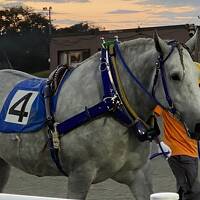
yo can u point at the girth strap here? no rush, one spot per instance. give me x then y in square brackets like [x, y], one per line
[54, 150]
[53, 137]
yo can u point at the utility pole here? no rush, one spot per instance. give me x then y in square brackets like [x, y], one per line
[49, 9]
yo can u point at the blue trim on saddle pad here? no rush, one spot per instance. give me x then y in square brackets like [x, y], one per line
[23, 109]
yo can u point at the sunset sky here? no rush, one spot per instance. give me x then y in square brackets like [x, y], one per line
[116, 14]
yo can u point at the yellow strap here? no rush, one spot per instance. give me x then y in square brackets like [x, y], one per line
[122, 92]
[198, 67]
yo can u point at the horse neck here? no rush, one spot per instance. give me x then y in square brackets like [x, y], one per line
[140, 55]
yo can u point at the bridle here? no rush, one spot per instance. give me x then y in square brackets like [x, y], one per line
[160, 69]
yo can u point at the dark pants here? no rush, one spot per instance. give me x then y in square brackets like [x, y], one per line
[185, 170]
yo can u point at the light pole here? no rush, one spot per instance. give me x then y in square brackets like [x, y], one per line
[49, 9]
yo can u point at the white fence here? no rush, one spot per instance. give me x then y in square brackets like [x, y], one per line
[25, 197]
[156, 196]
[164, 196]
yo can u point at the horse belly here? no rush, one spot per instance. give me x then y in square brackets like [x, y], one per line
[28, 153]
[98, 145]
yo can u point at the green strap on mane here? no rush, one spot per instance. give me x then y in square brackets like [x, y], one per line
[107, 44]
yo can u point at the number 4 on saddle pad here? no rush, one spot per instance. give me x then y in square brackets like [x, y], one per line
[24, 108]
[20, 107]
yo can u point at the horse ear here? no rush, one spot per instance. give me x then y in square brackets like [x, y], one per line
[192, 41]
[160, 44]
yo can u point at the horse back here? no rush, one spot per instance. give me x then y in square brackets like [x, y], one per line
[8, 79]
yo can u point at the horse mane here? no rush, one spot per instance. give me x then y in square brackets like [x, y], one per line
[141, 44]
[94, 56]
[137, 43]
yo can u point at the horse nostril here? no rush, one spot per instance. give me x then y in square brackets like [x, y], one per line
[197, 128]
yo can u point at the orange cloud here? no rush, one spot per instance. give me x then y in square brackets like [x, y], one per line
[115, 14]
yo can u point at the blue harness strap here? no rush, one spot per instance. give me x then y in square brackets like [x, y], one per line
[54, 153]
[110, 104]
[83, 117]
[104, 67]
[90, 114]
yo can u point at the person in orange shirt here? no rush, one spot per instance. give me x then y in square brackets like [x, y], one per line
[183, 158]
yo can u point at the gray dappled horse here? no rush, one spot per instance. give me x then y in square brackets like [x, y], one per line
[104, 148]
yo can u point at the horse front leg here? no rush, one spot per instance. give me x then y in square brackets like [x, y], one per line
[79, 181]
[4, 173]
[141, 186]
[138, 181]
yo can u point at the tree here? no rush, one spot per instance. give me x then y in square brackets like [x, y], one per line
[22, 33]
[83, 27]
[24, 37]
[22, 20]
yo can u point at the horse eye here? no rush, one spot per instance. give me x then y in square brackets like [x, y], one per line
[175, 77]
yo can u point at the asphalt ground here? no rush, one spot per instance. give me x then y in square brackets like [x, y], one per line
[25, 184]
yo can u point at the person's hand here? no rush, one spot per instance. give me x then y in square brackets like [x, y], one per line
[164, 149]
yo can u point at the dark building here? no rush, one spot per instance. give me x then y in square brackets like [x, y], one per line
[72, 49]
[4, 61]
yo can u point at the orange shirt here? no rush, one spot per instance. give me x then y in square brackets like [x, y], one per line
[175, 135]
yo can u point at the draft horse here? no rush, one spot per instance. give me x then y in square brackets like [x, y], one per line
[104, 147]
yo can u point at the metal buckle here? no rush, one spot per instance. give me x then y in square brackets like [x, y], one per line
[115, 102]
[55, 137]
[106, 68]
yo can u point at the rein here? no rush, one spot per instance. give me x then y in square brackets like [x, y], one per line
[159, 68]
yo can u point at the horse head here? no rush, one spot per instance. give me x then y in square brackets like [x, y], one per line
[180, 80]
